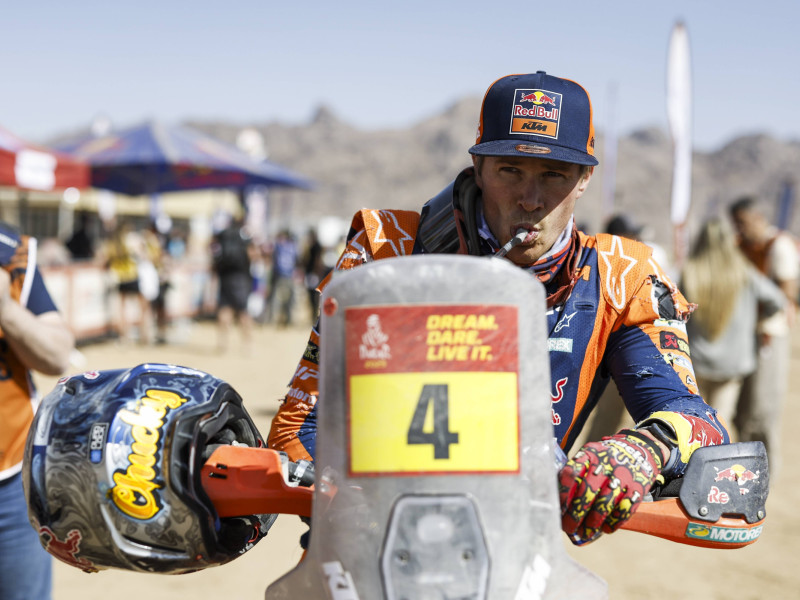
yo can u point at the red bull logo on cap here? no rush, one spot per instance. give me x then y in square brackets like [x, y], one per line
[536, 112]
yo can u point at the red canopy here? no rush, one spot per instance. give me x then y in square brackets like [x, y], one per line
[31, 167]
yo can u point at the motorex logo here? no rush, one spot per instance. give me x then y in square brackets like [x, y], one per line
[729, 535]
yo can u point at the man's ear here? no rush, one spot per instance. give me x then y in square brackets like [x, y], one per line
[584, 182]
[477, 162]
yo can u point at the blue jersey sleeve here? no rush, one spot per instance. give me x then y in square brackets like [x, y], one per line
[651, 366]
[39, 301]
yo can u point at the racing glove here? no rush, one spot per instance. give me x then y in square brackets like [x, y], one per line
[602, 485]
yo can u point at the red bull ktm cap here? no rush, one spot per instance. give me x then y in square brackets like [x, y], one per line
[536, 115]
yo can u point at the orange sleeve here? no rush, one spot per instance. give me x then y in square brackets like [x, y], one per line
[374, 234]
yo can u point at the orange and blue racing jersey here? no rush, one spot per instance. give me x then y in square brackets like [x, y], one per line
[18, 399]
[623, 319]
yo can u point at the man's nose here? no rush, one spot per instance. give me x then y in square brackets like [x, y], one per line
[531, 197]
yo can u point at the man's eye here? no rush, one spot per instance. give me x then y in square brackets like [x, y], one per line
[509, 170]
[553, 174]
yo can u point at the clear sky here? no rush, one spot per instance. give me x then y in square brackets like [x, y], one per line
[388, 64]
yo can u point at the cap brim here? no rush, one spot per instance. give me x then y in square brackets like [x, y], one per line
[528, 149]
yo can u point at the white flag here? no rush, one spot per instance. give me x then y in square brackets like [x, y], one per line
[679, 112]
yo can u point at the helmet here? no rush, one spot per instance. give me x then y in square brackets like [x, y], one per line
[449, 220]
[112, 470]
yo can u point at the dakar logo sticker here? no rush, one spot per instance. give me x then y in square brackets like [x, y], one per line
[374, 344]
[536, 112]
[134, 492]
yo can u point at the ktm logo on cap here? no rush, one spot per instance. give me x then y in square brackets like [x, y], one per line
[536, 112]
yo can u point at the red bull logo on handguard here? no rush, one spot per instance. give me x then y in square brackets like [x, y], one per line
[536, 112]
[736, 473]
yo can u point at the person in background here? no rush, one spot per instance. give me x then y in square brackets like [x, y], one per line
[285, 258]
[156, 254]
[176, 242]
[730, 295]
[623, 225]
[34, 338]
[120, 255]
[81, 243]
[231, 251]
[626, 227]
[774, 253]
[315, 271]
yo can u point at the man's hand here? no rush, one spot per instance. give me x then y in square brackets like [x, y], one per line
[602, 485]
[5, 287]
[42, 342]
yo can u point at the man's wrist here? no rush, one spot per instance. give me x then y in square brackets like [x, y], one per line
[646, 439]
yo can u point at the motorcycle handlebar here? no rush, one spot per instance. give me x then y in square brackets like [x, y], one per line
[244, 481]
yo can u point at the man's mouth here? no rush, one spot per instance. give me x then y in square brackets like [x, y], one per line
[522, 235]
[530, 234]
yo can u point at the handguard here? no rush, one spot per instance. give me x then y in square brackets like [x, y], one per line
[246, 481]
[720, 502]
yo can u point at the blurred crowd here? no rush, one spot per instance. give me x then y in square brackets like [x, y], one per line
[743, 274]
[252, 278]
[266, 280]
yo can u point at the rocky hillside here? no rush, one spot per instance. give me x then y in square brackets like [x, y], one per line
[357, 168]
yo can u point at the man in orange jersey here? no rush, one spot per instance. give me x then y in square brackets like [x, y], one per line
[32, 337]
[612, 312]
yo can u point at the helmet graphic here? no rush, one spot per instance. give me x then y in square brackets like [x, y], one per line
[112, 470]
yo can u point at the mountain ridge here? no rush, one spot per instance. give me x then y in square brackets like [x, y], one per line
[393, 168]
[357, 168]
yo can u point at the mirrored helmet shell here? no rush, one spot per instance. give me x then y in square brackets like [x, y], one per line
[112, 470]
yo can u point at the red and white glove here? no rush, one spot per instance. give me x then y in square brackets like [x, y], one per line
[601, 486]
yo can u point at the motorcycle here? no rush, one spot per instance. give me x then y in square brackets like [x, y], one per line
[435, 469]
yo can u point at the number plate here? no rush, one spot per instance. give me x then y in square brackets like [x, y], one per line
[432, 389]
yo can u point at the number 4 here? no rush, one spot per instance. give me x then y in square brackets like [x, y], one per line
[441, 437]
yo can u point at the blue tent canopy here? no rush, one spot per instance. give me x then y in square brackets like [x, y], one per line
[153, 158]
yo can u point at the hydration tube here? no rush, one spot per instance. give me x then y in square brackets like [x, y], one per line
[515, 241]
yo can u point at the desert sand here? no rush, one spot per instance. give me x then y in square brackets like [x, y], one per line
[636, 566]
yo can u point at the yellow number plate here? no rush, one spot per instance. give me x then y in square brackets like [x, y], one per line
[481, 409]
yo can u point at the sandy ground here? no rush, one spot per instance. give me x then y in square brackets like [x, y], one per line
[635, 566]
